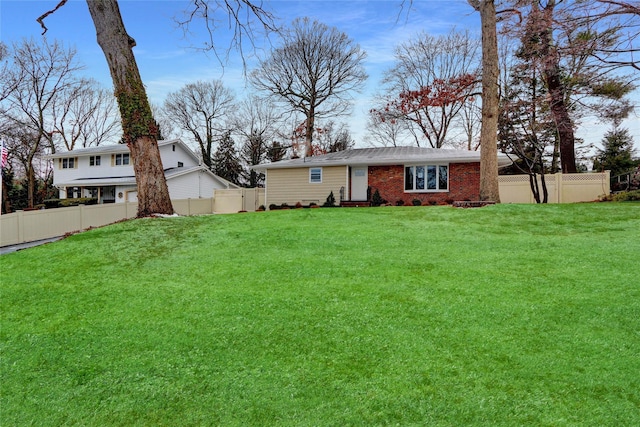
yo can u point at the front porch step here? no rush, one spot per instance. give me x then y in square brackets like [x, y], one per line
[354, 204]
[472, 203]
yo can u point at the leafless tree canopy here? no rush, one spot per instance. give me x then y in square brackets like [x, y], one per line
[201, 109]
[248, 20]
[420, 63]
[39, 78]
[314, 72]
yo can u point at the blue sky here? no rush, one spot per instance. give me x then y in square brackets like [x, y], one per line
[167, 60]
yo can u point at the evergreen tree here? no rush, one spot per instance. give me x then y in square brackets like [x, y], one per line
[617, 152]
[253, 152]
[276, 152]
[226, 163]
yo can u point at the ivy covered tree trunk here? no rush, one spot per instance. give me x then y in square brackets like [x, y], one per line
[139, 127]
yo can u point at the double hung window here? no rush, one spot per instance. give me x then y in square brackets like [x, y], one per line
[122, 159]
[315, 175]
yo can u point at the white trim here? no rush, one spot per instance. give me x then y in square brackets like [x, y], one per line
[311, 181]
[425, 165]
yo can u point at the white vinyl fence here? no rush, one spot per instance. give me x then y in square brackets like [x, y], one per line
[30, 226]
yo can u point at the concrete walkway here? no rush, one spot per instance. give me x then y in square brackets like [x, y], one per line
[26, 245]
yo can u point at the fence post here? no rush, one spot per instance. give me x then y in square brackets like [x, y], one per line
[82, 219]
[20, 226]
[559, 186]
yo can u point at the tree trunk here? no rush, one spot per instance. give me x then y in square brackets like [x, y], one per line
[138, 125]
[308, 140]
[31, 185]
[489, 188]
[557, 90]
[562, 119]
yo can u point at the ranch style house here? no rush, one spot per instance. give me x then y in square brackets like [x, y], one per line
[403, 174]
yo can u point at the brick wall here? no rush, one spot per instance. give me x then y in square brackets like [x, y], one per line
[464, 184]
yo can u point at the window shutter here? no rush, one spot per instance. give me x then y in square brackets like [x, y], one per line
[60, 163]
[113, 160]
[75, 163]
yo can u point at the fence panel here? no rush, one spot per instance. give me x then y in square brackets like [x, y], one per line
[562, 188]
[238, 199]
[29, 226]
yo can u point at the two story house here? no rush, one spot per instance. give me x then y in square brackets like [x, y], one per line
[106, 173]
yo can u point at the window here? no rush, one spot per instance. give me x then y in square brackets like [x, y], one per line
[122, 159]
[69, 163]
[426, 178]
[180, 164]
[94, 160]
[315, 175]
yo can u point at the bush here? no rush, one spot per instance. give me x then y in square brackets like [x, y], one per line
[273, 207]
[299, 205]
[416, 202]
[261, 208]
[284, 206]
[400, 202]
[330, 202]
[623, 196]
[377, 200]
[51, 203]
[64, 203]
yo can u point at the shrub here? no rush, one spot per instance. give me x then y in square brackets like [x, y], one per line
[63, 203]
[284, 206]
[416, 202]
[273, 207]
[330, 202]
[623, 196]
[261, 208]
[432, 203]
[51, 203]
[377, 200]
[299, 205]
[400, 202]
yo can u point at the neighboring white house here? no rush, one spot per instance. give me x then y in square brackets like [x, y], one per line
[106, 173]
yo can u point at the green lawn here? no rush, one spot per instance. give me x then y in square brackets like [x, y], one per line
[504, 315]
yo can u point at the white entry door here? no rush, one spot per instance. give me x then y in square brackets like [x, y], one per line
[359, 183]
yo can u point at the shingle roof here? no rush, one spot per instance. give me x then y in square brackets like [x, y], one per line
[384, 156]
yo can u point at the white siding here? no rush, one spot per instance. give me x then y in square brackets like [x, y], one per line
[197, 184]
[171, 158]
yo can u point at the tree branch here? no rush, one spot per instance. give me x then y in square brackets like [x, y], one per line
[44, 15]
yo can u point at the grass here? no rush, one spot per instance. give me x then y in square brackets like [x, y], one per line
[505, 315]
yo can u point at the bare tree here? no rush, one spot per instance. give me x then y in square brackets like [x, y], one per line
[257, 122]
[40, 76]
[313, 72]
[138, 125]
[432, 80]
[621, 16]
[333, 137]
[386, 127]
[200, 109]
[85, 115]
[489, 187]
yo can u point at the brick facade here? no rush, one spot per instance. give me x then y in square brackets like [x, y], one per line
[464, 184]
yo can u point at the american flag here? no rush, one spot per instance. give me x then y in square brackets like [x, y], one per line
[5, 153]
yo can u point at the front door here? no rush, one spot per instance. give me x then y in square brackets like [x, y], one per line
[359, 183]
